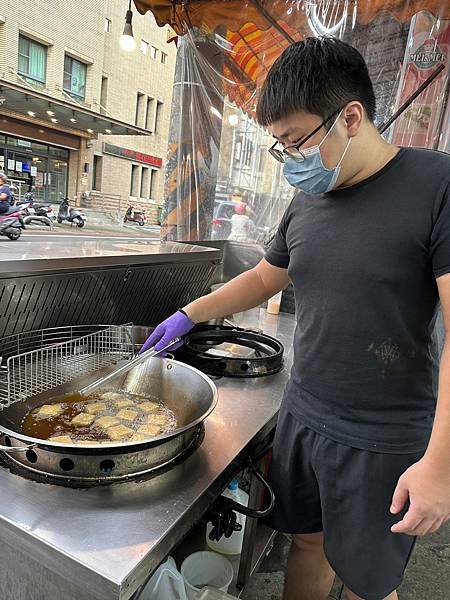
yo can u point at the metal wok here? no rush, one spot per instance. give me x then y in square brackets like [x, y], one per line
[190, 394]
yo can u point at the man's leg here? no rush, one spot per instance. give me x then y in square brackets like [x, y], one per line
[351, 596]
[308, 574]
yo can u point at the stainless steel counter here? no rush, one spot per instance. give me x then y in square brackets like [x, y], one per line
[102, 543]
[44, 253]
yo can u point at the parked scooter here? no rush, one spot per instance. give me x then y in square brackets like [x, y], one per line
[11, 224]
[29, 214]
[135, 216]
[72, 215]
[41, 210]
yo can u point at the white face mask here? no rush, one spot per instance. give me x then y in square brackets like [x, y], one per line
[310, 175]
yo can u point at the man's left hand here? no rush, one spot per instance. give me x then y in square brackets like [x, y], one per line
[427, 487]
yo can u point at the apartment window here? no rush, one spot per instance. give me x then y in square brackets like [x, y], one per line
[97, 173]
[163, 58]
[150, 114]
[104, 95]
[153, 183]
[144, 47]
[107, 25]
[74, 78]
[140, 104]
[145, 179]
[159, 106]
[134, 183]
[153, 52]
[32, 60]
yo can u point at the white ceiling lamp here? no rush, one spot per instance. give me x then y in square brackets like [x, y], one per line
[53, 120]
[30, 113]
[90, 130]
[73, 120]
[50, 113]
[127, 41]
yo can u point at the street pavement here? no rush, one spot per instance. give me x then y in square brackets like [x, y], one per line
[97, 224]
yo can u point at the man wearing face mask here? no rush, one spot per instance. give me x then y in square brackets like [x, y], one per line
[361, 455]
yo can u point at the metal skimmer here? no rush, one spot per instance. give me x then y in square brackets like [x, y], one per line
[36, 361]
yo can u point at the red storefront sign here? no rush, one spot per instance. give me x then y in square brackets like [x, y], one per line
[148, 159]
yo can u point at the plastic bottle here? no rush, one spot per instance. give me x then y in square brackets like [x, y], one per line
[233, 544]
[273, 304]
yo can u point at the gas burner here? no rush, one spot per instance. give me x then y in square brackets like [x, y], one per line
[40, 476]
[231, 351]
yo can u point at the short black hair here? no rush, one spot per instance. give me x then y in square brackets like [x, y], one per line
[317, 75]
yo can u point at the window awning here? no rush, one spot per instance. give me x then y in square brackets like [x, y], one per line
[251, 34]
[82, 121]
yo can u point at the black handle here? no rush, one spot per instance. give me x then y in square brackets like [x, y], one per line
[255, 513]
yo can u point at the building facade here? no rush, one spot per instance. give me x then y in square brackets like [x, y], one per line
[80, 116]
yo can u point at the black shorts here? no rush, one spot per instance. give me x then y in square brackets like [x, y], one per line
[321, 485]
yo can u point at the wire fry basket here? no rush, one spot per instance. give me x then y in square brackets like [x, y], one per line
[36, 361]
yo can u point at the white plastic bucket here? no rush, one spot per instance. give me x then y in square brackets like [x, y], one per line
[206, 568]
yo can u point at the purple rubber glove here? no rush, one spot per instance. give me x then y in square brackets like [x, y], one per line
[174, 326]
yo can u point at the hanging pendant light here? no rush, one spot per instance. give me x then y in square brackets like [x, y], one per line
[127, 41]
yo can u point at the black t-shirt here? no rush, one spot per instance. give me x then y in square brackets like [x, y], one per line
[364, 262]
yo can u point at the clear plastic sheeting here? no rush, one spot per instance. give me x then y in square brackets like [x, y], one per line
[221, 183]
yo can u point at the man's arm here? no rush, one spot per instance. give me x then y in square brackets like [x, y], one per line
[241, 293]
[427, 483]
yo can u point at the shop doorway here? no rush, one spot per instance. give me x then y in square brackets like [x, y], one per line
[34, 165]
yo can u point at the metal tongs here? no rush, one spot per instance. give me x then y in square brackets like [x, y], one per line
[137, 360]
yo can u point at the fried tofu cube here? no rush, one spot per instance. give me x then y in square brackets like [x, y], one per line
[106, 422]
[111, 396]
[127, 414]
[119, 433]
[123, 402]
[49, 410]
[149, 430]
[95, 407]
[83, 420]
[86, 442]
[62, 439]
[138, 437]
[158, 419]
[148, 407]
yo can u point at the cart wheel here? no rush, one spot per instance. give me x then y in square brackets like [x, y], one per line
[59, 220]
[141, 222]
[80, 224]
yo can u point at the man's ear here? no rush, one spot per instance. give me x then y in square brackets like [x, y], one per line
[354, 116]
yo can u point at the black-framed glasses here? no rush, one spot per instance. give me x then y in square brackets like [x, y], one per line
[294, 151]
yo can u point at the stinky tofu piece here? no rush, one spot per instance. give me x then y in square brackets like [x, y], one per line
[49, 410]
[95, 407]
[119, 433]
[158, 419]
[111, 396]
[149, 430]
[138, 437]
[148, 407]
[83, 420]
[62, 439]
[127, 414]
[123, 402]
[106, 422]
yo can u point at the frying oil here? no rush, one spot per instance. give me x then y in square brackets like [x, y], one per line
[72, 405]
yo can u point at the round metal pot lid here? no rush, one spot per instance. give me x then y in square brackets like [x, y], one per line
[231, 351]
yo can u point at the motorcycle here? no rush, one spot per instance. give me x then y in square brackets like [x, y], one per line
[30, 214]
[72, 215]
[11, 223]
[135, 216]
[41, 210]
